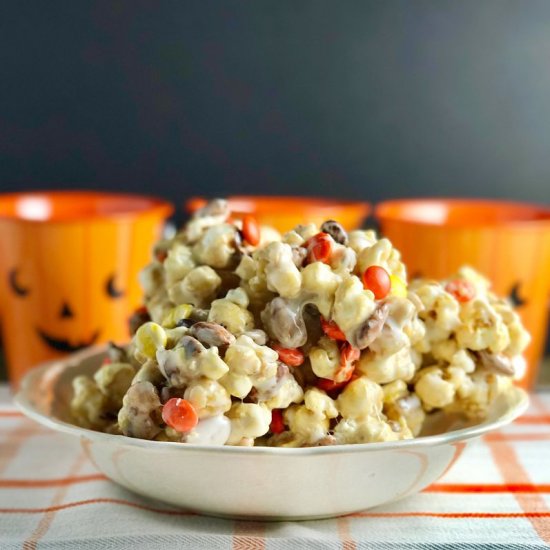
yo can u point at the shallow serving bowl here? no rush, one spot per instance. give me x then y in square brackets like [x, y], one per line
[258, 482]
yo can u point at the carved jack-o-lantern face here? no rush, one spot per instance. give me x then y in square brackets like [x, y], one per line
[515, 296]
[66, 312]
[69, 265]
[60, 296]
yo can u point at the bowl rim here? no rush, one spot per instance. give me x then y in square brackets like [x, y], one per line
[34, 376]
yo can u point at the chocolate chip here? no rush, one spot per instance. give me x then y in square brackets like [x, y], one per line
[138, 318]
[185, 323]
[372, 327]
[336, 231]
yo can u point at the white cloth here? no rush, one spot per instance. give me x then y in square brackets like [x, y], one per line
[497, 493]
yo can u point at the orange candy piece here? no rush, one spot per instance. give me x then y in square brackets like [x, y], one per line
[332, 330]
[293, 357]
[251, 230]
[180, 415]
[348, 357]
[461, 289]
[319, 248]
[377, 280]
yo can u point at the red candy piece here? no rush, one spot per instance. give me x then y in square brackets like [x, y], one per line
[461, 289]
[179, 414]
[277, 425]
[332, 330]
[319, 248]
[377, 280]
[332, 387]
[251, 230]
[161, 255]
[293, 357]
[345, 373]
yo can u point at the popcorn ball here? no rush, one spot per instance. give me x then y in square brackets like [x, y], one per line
[315, 337]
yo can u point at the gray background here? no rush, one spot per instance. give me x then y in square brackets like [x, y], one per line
[366, 99]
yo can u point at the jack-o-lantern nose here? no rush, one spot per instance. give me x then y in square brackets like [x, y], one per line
[66, 311]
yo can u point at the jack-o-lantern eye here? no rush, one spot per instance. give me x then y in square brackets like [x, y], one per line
[515, 297]
[111, 289]
[15, 285]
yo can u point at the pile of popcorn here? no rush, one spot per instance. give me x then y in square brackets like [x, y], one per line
[311, 338]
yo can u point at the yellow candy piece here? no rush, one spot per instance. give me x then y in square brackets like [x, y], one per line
[398, 287]
[150, 337]
[176, 314]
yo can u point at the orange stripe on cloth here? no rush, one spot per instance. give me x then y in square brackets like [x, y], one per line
[10, 413]
[533, 419]
[487, 488]
[500, 437]
[78, 503]
[452, 515]
[248, 535]
[45, 522]
[13, 442]
[512, 471]
[342, 524]
[54, 482]
[121, 502]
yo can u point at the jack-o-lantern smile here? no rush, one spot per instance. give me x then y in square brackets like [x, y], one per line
[60, 344]
[65, 312]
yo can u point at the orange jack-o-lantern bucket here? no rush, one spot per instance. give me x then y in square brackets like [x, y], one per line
[506, 241]
[69, 264]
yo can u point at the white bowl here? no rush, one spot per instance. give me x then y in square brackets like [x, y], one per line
[257, 482]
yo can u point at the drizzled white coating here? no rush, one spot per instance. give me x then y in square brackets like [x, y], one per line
[218, 307]
[214, 430]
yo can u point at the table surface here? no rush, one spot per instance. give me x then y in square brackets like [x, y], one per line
[496, 495]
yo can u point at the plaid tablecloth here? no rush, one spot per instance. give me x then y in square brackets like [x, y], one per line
[496, 495]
